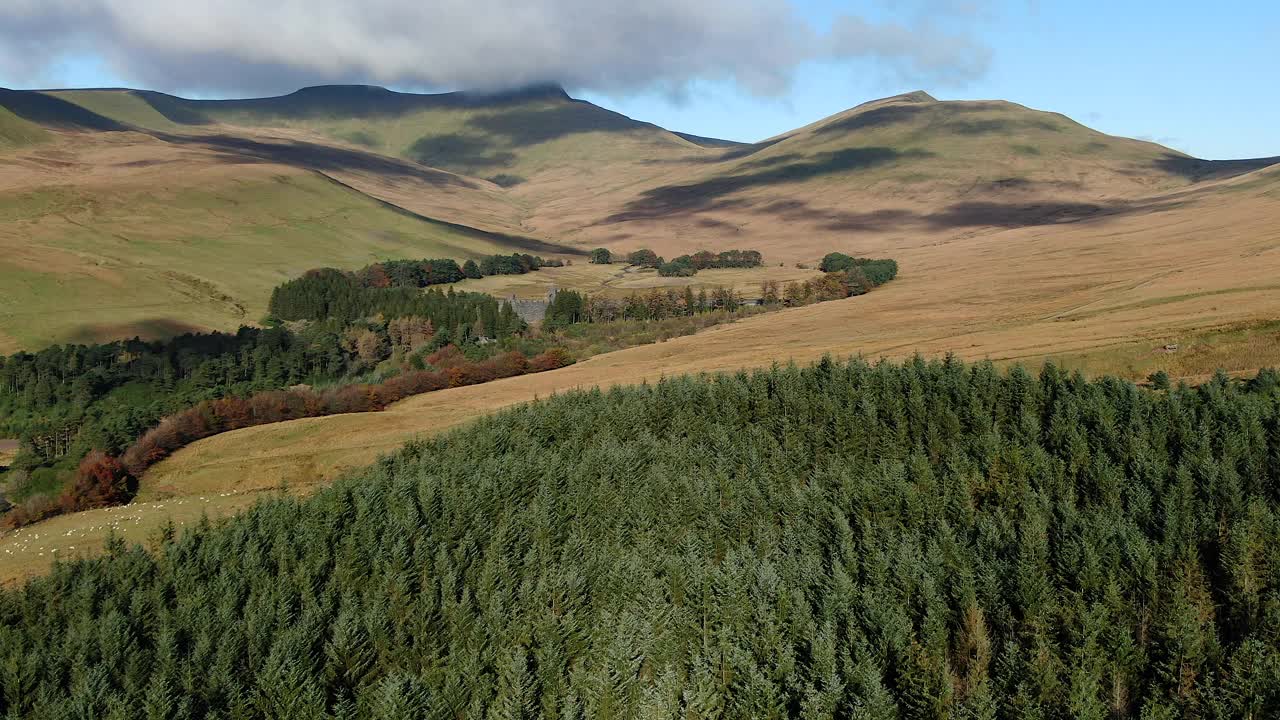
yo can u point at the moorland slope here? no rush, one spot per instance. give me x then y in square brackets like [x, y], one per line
[105, 191]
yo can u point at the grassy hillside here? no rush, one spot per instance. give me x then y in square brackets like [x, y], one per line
[124, 106]
[80, 263]
[16, 132]
[924, 540]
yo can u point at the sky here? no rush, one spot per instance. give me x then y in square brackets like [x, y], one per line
[1197, 77]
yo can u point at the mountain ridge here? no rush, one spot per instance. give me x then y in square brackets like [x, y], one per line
[312, 98]
[899, 172]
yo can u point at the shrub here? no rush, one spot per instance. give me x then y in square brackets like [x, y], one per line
[550, 360]
[1159, 380]
[877, 272]
[101, 481]
[506, 180]
[446, 357]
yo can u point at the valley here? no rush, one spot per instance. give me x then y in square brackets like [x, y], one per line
[139, 214]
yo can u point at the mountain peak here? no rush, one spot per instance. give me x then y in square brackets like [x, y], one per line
[344, 89]
[916, 96]
[542, 91]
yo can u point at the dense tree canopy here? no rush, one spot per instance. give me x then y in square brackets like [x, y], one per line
[425, 273]
[336, 295]
[687, 265]
[644, 258]
[917, 541]
[601, 256]
[877, 272]
[63, 402]
[110, 392]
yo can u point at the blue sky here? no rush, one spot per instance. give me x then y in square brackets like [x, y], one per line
[1203, 78]
[1197, 77]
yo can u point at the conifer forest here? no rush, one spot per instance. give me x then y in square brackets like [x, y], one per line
[923, 540]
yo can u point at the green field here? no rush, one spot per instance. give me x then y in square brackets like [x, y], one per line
[122, 106]
[16, 132]
[82, 264]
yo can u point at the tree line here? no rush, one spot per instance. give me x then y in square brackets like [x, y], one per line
[117, 436]
[103, 480]
[110, 392]
[689, 265]
[843, 277]
[329, 294]
[107, 385]
[685, 265]
[842, 280]
[423, 273]
[922, 540]
[569, 307]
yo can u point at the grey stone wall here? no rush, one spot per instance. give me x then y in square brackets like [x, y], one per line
[532, 311]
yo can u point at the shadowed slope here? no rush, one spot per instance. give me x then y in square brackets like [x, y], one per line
[16, 132]
[54, 113]
[1197, 170]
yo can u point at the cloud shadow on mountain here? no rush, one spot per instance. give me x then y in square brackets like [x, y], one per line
[711, 193]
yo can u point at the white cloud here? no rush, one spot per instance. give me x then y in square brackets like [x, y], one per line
[607, 46]
[911, 52]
